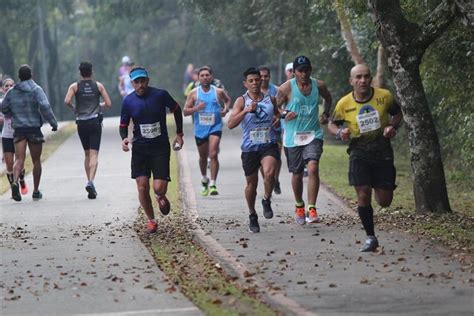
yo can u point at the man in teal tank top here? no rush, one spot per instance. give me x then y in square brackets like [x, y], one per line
[303, 135]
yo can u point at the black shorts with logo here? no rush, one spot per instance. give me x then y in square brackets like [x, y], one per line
[374, 169]
[90, 133]
[151, 158]
[251, 160]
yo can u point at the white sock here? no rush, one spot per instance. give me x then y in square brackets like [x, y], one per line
[213, 182]
[205, 179]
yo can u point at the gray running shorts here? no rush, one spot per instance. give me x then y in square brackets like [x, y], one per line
[298, 157]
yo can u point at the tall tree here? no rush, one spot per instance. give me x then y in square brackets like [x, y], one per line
[405, 43]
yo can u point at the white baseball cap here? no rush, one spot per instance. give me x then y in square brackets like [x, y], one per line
[125, 60]
[289, 66]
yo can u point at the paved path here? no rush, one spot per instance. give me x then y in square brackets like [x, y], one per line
[318, 267]
[46, 130]
[67, 254]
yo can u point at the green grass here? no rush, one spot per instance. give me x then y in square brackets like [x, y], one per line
[49, 147]
[453, 229]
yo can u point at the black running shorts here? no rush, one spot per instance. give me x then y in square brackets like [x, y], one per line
[200, 141]
[377, 173]
[32, 135]
[7, 145]
[90, 133]
[151, 158]
[251, 160]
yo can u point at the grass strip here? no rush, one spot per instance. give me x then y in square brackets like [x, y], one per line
[49, 147]
[455, 230]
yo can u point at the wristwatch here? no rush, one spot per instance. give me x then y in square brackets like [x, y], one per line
[283, 114]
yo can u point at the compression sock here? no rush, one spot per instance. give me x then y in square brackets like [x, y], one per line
[366, 214]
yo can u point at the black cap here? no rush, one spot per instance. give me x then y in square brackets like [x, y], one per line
[300, 62]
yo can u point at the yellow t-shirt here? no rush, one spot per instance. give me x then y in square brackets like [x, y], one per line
[366, 120]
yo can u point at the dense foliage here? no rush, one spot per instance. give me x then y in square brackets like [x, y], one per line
[230, 35]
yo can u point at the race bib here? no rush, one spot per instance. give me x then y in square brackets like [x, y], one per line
[207, 118]
[368, 121]
[260, 135]
[304, 138]
[150, 130]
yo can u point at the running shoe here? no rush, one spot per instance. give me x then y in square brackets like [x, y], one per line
[370, 244]
[23, 187]
[276, 188]
[205, 188]
[267, 208]
[92, 193]
[37, 196]
[213, 190]
[163, 204]
[254, 227]
[15, 192]
[300, 215]
[151, 226]
[312, 216]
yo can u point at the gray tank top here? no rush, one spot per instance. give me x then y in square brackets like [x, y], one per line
[87, 100]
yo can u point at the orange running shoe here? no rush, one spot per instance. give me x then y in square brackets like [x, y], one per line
[23, 187]
[300, 215]
[312, 216]
[151, 226]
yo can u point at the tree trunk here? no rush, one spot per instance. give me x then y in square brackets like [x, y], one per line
[405, 44]
[346, 33]
[379, 79]
[7, 61]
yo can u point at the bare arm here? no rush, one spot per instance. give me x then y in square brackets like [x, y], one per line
[69, 95]
[224, 98]
[105, 95]
[238, 112]
[189, 107]
[327, 102]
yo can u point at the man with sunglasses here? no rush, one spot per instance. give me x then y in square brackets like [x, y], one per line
[146, 106]
[303, 135]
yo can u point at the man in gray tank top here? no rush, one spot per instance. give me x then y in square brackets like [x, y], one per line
[88, 110]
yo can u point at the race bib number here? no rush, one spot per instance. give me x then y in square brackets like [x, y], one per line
[260, 135]
[368, 121]
[150, 130]
[304, 138]
[207, 118]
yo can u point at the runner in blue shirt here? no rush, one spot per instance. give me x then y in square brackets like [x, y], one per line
[146, 106]
[204, 104]
[256, 113]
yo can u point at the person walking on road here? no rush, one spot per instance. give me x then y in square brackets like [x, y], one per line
[28, 105]
[204, 103]
[368, 118]
[303, 135]
[8, 146]
[271, 89]
[88, 110]
[256, 112]
[146, 106]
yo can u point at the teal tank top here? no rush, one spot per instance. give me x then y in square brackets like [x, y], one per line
[305, 127]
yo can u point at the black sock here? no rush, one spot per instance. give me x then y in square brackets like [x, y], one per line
[10, 178]
[366, 214]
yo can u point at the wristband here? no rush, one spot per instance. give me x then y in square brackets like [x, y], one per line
[338, 134]
[283, 114]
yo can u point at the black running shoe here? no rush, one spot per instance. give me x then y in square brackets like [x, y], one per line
[370, 244]
[254, 227]
[92, 193]
[37, 196]
[276, 188]
[267, 208]
[163, 204]
[16, 191]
